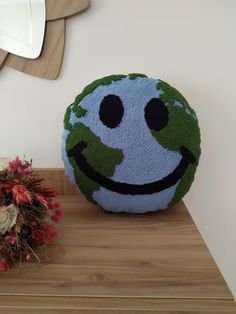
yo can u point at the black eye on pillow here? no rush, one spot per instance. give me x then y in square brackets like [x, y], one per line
[156, 114]
[111, 111]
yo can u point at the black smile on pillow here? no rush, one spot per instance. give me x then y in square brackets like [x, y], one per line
[126, 188]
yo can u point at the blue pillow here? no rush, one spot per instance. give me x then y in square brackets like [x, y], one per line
[131, 143]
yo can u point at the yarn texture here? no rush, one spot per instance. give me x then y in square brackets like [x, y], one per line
[131, 143]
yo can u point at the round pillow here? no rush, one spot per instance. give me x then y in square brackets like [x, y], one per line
[131, 143]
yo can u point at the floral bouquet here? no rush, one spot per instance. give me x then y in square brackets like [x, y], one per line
[27, 214]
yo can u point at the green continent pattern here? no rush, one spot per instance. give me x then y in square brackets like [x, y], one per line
[95, 153]
[90, 88]
[67, 124]
[182, 130]
[78, 110]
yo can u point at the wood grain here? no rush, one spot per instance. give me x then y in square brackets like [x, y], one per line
[117, 305]
[116, 263]
[49, 63]
[3, 55]
[56, 9]
[57, 179]
[105, 311]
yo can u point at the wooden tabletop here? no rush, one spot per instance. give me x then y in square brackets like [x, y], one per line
[120, 262]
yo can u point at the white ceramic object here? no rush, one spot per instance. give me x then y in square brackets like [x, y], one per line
[22, 26]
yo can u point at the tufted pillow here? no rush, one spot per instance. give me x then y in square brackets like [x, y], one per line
[131, 143]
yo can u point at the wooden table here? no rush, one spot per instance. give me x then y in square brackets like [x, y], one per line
[120, 263]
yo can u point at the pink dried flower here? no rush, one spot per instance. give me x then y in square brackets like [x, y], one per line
[27, 171]
[55, 218]
[46, 192]
[20, 168]
[46, 235]
[42, 200]
[11, 239]
[5, 188]
[28, 257]
[4, 266]
[59, 213]
[56, 205]
[21, 194]
[25, 210]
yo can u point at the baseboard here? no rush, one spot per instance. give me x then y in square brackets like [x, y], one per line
[57, 179]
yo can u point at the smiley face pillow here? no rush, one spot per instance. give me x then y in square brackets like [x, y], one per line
[131, 143]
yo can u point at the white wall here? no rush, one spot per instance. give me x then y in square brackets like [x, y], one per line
[192, 45]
